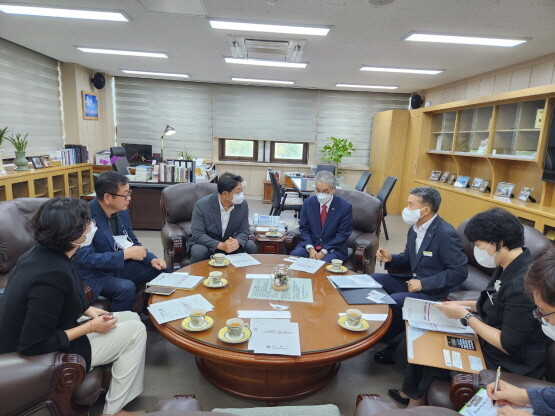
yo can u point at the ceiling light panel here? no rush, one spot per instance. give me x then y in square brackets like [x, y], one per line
[158, 74]
[465, 40]
[379, 87]
[265, 62]
[262, 81]
[402, 70]
[64, 13]
[269, 28]
[122, 52]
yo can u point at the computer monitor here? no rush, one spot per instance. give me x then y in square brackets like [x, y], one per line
[138, 154]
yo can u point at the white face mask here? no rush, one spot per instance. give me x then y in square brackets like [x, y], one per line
[323, 198]
[411, 216]
[483, 258]
[549, 330]
[238, 198]
[88, 237]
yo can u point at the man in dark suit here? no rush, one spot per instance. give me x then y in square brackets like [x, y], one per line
[220, 222]
[326, 222]
[432, 265]
[115, 262]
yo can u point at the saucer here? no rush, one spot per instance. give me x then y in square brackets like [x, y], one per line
[206, 282]
[276, 235]
[222, 336]
[186, 324]
[362, 326]
[213, 263]
[329, 269]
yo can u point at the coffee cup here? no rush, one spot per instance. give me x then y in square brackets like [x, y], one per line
[273, 230]
[215, 278]
[336, 265]
[235, 327]
[353, 317]
[219, 258]
[197, 317]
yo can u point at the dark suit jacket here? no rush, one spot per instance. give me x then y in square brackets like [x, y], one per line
[101, 257]
[43, 298]
[511, 312]
[206, 223]
[443, 267]
[336, 230]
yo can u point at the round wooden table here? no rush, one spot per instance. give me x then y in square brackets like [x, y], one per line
[272, 378]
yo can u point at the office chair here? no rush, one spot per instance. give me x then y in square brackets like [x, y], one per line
[121, 165]
[329, 168]
[117, 151]
[279, 198]
[363, 181]
[385, 190]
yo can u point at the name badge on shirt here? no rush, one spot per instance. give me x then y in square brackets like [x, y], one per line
[123, 242]
[427, 253]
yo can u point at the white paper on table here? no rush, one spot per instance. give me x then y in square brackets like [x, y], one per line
[275, 336]
[358, 281]
[375, 296]
[441, 328]
[242, 260]
[258, 276]
[291, 259]
[176, 280]
[412, 335]
[447, 358]
[475, 363]
[379, 317]
[264, 314]
[179, 308]
[423, 310]
[300, 290]
[457, 359]
[307, 265]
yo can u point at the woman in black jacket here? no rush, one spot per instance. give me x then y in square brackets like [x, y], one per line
[502, 316]
[44, 303]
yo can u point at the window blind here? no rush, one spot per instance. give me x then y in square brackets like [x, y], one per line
[30, 99]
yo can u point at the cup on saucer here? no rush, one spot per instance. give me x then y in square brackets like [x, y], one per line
[235, 327]
[219, 258]
[197, 318]
[215, 278]
[353, 317]
[336, 265]
[273, 230]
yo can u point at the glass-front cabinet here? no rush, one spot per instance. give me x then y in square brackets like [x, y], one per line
[443, 132]
[473, 131]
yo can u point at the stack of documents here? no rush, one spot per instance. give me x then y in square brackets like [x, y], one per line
[422, 314]
[242, 260]
[275, 336]
[481, 405]
[176, 280]
[179, 308]
[307, 265]
[358, 281]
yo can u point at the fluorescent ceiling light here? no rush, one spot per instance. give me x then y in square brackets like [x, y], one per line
[262, 81]
[466, 40]
[66, 13]
[265, 62]
[160, 74]
[402, 70]
[382, 87]
[122, 52]
[271, 28]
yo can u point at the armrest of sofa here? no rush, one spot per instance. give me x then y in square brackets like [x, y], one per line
[463, 387]
[364, 253]
[174, 241]
[488, 376]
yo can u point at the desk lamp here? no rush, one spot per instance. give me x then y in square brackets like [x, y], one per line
[168, 131]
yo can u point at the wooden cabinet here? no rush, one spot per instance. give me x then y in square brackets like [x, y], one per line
[70, 181]
[268, 192]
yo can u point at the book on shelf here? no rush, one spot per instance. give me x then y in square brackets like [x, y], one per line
[444, 176]
[476, 183]
[434, 176]
[505, 189]
[462, 181]
[81, 152]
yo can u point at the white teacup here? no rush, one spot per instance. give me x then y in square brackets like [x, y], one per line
[197, 317]
[215, 278]
[235, 327]
[336, 265]
[353, 317]
[219, 258]
[273, 230]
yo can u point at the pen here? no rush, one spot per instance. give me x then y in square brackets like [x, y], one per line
[497, 377]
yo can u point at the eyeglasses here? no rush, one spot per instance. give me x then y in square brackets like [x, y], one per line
[541, 317]
[127, 196]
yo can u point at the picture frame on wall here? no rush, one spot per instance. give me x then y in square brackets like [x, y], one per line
[434, 176]
[444, 176]
[37, 164]
[90, 105]
[505, 189]
[525, 193]
[476, 183]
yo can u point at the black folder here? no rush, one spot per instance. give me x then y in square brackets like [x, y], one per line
[358, 297]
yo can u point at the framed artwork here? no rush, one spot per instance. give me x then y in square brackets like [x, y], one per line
[525, 193]
[451, 179]
[46, 161]
[434, 176]
[444, 177]
[483, 186]
[504, 189]
[476, 183]
[462, 181]
[90, 105]
[35, 160]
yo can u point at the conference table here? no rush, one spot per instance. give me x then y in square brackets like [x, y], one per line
[272, 378]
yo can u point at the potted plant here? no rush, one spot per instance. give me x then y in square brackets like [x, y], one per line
[336, 150]
[20, 145]
[3, 138]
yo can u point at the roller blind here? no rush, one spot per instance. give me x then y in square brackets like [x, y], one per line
[30, 98]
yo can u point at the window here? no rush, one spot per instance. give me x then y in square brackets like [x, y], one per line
[243, 150]
[288, 152]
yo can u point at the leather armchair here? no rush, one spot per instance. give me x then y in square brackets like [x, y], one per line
[177, 205]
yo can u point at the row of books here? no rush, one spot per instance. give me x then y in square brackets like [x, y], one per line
[74, 153]
[176, 172]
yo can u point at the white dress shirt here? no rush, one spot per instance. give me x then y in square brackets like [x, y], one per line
[421, 232]
[327, 204]
[224, 215]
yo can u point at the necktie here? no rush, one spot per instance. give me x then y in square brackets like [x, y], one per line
[323, 214]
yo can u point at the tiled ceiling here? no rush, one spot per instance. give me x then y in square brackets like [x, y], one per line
[361, 34]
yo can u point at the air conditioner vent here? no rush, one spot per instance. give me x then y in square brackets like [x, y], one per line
[282, 50]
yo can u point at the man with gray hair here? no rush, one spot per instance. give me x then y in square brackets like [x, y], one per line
[432, 265]
[326, 222]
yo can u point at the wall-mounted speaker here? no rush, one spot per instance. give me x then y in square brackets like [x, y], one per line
[416, 101]
[98, 80]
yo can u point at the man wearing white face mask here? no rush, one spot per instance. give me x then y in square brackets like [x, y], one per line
[432, 265]
[326, 222]
[220, 222]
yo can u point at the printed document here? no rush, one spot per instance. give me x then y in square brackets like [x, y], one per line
[242, 260]
[176, 280]
[307, 265]
[275, 336]
[300, 290]
[179, 308]
[481, 405]
[418, 310]
[358, 281]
